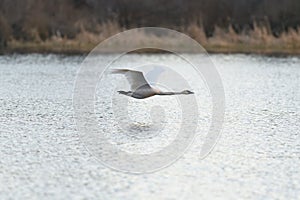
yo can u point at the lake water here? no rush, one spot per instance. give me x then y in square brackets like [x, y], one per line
[256, 157]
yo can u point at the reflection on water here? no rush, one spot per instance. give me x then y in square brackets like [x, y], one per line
[257, 155]
[142, 131]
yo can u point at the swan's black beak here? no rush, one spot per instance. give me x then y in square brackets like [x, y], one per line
[187, 92]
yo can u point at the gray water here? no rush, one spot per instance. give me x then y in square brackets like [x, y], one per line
[256, 157]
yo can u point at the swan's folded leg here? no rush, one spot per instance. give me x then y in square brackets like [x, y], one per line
[129, 93]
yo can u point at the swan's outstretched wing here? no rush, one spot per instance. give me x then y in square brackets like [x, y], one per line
[136, 79]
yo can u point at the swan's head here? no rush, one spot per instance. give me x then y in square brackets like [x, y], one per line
[187, 92]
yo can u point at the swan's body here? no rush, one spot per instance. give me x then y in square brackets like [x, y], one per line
[140, 88]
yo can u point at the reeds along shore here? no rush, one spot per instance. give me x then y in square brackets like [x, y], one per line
[259, 39]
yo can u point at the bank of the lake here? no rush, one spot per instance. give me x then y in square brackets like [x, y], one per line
[77, 47]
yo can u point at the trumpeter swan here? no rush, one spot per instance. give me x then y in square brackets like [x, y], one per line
[140, 88]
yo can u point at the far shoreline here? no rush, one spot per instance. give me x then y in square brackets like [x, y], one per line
[258, 40]
[79, 49]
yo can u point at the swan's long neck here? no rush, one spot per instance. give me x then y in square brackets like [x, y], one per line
[169, 93]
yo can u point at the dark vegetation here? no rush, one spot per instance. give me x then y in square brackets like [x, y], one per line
[33, 25]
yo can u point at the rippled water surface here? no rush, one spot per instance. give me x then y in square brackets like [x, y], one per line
[257, 156]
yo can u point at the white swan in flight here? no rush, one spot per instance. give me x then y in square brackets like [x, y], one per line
[140, 88]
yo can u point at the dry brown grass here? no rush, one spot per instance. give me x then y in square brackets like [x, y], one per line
[258, 40]
[196, 32]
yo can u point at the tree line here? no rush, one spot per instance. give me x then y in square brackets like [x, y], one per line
[25, 19]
